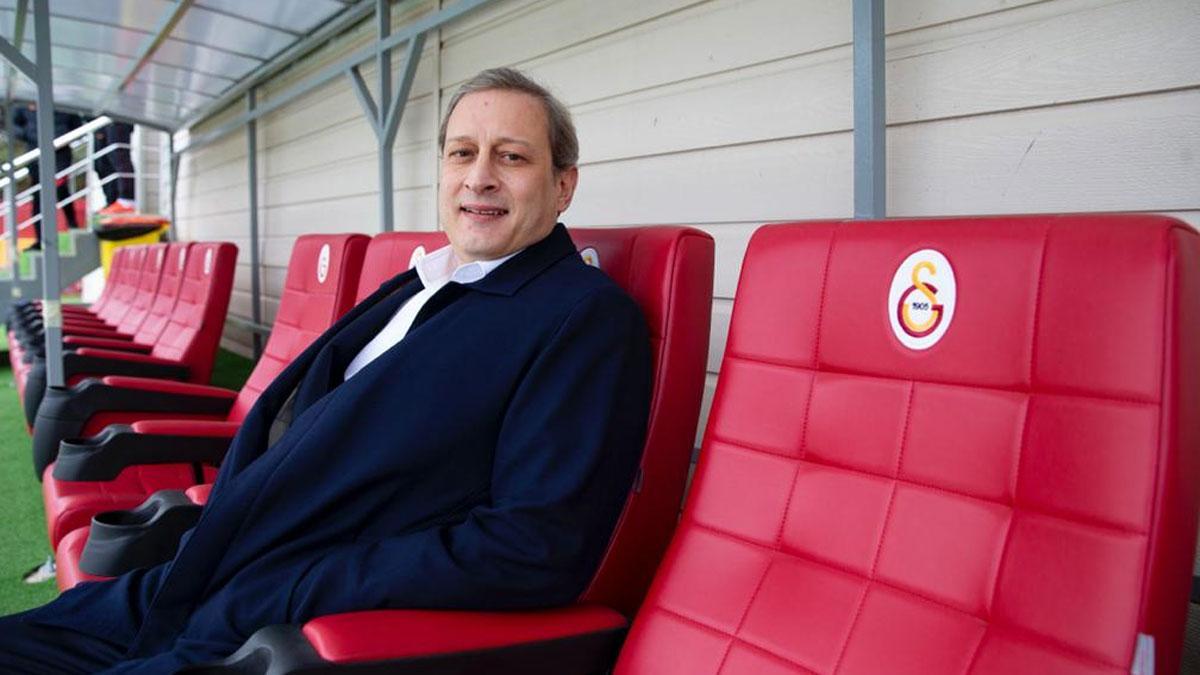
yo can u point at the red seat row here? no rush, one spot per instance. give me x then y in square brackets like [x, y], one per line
[936, 446]
[163, 318]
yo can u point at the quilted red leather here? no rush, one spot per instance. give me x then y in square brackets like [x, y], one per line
[397, 634]
[1020, 497]
[191, 334]
[309, 304]
[391, 253]
[146, 290]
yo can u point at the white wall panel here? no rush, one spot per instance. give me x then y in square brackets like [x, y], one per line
[726, 114]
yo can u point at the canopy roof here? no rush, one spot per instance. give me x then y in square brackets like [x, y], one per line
[163, 62]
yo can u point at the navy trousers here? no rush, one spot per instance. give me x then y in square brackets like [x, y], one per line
[28, 648]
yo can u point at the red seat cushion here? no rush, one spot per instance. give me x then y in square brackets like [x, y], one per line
[66, 558]
[71, 504]
[368, 636]
[1019, 496]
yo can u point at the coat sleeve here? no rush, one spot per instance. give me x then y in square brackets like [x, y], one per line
[568, 449]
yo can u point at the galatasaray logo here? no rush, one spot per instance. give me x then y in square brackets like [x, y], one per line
[323, 264]
[922, 299]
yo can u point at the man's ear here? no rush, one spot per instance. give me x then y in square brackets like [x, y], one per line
[567, 179]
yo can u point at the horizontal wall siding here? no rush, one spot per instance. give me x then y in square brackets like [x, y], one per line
[726, 114]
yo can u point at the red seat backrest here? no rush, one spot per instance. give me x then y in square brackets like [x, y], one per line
[391, 253]
[1018, 497]
[194, 329]
[147, 289]
[322, 277]
[669, 272]
[126, 281]
[168, 293]
[115, 266]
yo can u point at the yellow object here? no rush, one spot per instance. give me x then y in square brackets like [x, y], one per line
[107, 247]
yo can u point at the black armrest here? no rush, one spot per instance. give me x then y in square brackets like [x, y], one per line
[77, 363]
[120, 541]
[284, 650]
[65, 411]
[118, 446]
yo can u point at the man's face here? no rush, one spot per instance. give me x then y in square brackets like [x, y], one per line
[499, 191]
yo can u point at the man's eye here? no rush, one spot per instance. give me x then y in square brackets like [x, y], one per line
[459, 153]
[512, 157]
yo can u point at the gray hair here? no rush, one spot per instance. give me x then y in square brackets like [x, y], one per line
[564, 145]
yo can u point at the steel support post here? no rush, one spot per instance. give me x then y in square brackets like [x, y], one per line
[10, 198]
[255, 289]
[383, 20]
[870, 124]
[385, 116]
[51, 302]
[172, 184]
[10, 191]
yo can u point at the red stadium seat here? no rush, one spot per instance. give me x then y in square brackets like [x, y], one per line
[185, 348]
[25, 322]
[158, 314]
[937, 446]
[172, 448]
[669, 272]
[387, 255]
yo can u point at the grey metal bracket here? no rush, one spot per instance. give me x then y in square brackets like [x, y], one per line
[384, 116]
[870, 111]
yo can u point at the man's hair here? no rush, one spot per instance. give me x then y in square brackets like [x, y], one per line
[564, 145]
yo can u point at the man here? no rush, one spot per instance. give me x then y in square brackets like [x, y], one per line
[118, 192]
[465, 438]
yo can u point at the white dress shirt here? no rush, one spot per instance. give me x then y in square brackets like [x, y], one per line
[435, 270]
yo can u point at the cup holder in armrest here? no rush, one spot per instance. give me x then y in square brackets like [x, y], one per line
[120, 541]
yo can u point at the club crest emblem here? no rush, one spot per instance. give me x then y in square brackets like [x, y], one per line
[590, 256]
[922, 299]
[323, 264]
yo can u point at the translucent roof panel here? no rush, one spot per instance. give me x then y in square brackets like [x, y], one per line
[160, 61]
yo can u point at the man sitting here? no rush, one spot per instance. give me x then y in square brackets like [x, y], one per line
[464, 438]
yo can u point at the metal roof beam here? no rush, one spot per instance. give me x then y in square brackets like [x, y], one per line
[418, 27]
[18, 38]
[344, 20]
[86, 111]
[169, 20]
[17, 59]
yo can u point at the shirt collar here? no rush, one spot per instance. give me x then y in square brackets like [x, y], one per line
[437, 268]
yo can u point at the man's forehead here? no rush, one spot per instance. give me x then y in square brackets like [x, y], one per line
[509, 140]
[481, 111]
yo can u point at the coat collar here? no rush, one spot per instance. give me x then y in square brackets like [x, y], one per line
[508, 278]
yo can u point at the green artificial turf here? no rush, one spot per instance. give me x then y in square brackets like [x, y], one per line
[23, 541]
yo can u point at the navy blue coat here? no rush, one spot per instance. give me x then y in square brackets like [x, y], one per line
[482, 462]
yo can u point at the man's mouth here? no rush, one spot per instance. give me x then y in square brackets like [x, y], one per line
[487, 211]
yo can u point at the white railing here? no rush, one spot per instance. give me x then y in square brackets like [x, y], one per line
[84, 135]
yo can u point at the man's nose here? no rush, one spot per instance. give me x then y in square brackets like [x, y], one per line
[481, 178]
